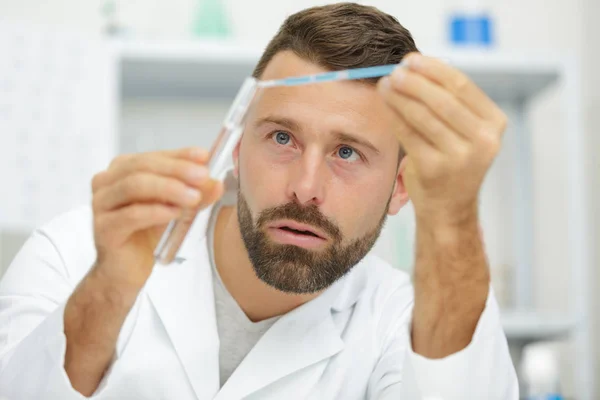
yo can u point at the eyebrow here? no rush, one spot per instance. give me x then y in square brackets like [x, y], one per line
[286, 122]
[295, 126]
[352, 139]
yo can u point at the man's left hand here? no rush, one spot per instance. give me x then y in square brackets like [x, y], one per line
[451, 132]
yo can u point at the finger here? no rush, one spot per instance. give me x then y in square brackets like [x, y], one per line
[187, 171]
[197, 154]
[439, 100]
[98, 181]
[121, 223]
[421, 119]
[146, 188]
[212, 191]
[403, 131]
[194, 155]
[421, 151]
[418, 149]
[457, 83]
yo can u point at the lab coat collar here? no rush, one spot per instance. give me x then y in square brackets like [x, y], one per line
[351, 286]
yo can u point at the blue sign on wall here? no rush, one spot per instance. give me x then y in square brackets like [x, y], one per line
[471, 30]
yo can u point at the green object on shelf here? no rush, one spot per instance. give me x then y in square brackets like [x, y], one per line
[211, 20]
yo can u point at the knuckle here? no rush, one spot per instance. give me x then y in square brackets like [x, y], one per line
[502, 121]
[121, 158]
[419, 115]
[95, 204]
[461, 82]
[134, 163]
[153, 213]
[463, 155]
[97, 181]
[173, 167]
[132, 185]
[173, 189]
[160, 189]
[100, 226]
[434, 127]
[444, 108]
[135, 213]
[431, 125]
[491, 144]
[139, 163]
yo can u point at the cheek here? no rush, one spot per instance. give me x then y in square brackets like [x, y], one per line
[264, 153]
[358, 207]
[262, 180]
[349, 173]
[278, 155]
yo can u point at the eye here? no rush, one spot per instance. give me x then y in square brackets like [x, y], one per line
[348, 153]
[282, 138]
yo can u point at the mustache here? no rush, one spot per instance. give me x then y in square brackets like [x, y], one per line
[310, 215]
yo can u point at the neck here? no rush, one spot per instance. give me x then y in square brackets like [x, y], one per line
[258, 300]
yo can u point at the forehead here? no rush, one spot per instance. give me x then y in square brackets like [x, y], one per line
[356, 105]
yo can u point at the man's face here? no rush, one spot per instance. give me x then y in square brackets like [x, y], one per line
[318, 173]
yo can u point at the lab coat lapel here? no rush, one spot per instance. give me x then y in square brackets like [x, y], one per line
[299, 339]
[182, 294]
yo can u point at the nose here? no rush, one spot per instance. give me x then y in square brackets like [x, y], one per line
[308, 179]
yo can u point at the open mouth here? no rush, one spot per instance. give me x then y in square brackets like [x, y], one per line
[300, 232]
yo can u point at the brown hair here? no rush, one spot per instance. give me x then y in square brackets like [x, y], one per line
[341, 36]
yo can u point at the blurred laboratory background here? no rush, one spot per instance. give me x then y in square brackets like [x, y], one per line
[83, 81]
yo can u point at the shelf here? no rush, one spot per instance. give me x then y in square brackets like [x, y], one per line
[524, 326]
[506, 76]
[216, 69]
[203, 69]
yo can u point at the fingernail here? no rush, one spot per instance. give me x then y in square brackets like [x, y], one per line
[412, 60]
[384, 83]
[192, 194]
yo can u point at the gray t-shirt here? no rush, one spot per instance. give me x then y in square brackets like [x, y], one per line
[237, 334]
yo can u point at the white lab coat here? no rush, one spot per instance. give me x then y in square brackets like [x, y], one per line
[352, 342]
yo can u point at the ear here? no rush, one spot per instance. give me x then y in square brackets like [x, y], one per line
[399, 195]
[236, 159]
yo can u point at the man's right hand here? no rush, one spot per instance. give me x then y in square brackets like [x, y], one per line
[133, 200]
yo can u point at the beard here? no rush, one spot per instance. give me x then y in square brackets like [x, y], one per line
[293, 269]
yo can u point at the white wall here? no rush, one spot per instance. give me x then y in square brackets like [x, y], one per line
[591, 78]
